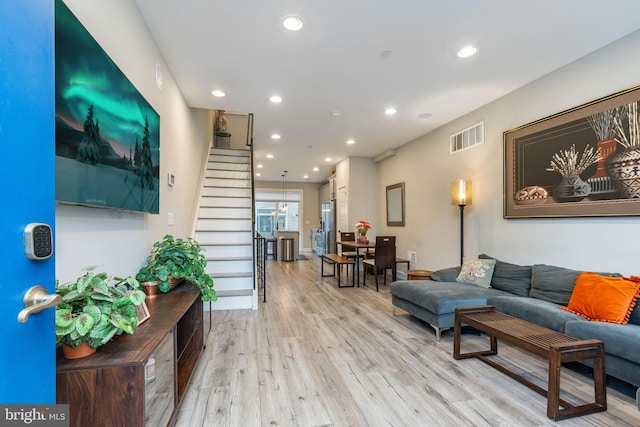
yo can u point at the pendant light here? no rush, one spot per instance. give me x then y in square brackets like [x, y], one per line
[284, 207]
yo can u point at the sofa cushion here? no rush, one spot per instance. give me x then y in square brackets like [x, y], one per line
[540, 312]
[604, 299]
[441, 297]
[446, 274]
[477, 272]
[621, 340]
[512, 278]
[553, 284]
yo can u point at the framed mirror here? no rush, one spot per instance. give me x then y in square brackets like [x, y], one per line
[395, 204]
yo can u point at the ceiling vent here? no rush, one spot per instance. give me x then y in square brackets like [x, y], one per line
[467, 138]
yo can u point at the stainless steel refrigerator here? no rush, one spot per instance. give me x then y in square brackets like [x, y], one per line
[328, 230]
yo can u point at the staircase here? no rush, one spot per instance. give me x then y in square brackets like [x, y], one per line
[224, 227]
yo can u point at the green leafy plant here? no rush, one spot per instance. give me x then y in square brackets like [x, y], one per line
[178, 259]
[95, 308]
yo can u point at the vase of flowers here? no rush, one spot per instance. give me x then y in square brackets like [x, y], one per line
[362, 227]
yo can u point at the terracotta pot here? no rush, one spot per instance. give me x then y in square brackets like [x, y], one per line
[82, 350]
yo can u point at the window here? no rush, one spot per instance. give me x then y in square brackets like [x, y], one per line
[271, 214]
[265, 217]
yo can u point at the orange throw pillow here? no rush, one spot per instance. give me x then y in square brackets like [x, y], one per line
[604, 298]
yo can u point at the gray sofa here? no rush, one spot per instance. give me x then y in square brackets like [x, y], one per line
[533, 293]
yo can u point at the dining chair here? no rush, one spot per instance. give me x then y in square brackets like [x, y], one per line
[384, 260]
[349, 236]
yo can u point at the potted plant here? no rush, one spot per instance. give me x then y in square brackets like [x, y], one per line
[178, 259]
[95, 308]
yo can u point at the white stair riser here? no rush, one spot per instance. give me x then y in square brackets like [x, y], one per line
[233, 151]
[228, 159]
[213, 225]
[223, 237]
[216, 173]
[226, 202]
[232, 283]
[222, 267]
[229, 166]
[226, 192]
[228, 183]
[237, 213]
[227, 251]
[230, 151]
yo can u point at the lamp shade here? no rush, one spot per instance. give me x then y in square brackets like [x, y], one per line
[461, 192]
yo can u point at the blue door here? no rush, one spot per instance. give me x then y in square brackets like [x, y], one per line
[27, 356]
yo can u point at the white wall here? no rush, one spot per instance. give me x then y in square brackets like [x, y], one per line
[432, 223]
[359, 176]
[364, 195]
[120, 241]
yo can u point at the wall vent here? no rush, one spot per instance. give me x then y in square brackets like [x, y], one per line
[467, 138]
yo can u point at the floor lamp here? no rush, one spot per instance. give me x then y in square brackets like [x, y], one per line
[461, 196]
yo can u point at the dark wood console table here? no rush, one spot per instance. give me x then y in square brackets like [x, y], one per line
[555, 347]
[139, 379]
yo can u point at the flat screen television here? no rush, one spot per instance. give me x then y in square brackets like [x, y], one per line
[107, 134]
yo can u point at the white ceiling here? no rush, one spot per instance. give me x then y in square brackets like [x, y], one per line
[335, 63]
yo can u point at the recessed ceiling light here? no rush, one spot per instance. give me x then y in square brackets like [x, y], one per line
[350, 141]
[390, 111]
[218, 93]
[327, 159]
[424, 115]
[316, 169]
[467, 51]
[259, 166]
[269, 156]
[275, 136]
[292, 22]
[306, 177]
[275, 99]
[336, 113]
[258, 174]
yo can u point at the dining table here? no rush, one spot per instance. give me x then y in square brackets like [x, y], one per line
[356, 245]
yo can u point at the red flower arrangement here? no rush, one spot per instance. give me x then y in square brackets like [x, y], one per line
[363, 227]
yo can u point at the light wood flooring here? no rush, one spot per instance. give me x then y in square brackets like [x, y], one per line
[316, 355]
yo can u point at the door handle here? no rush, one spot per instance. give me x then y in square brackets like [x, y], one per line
[35, 300]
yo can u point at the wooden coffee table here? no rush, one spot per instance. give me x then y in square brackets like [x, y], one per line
[419, 274]
[557, 348]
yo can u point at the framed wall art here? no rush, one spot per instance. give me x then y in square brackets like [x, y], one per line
[107, 134]
[395, 204]
[581, 162]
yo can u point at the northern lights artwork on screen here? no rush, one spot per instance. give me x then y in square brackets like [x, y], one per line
[107, 134]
